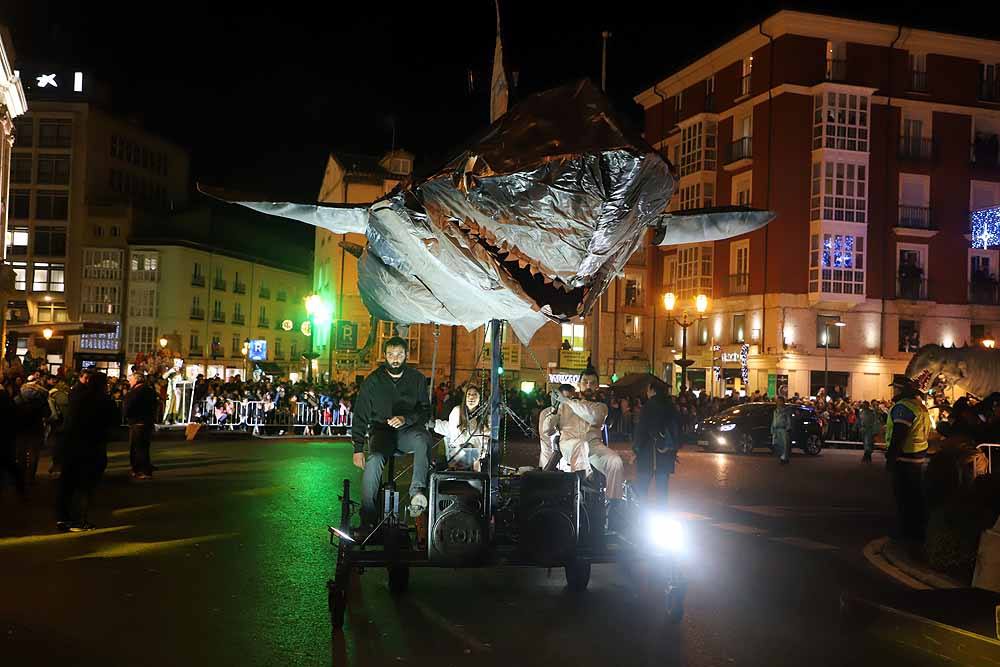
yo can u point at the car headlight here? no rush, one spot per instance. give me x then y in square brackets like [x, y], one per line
[666, 533]
[727, 427]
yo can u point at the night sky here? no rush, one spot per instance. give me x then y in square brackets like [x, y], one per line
[260, 97]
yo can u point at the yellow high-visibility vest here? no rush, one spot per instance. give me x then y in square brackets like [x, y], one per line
[916, 439]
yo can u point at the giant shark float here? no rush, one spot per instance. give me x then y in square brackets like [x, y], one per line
[528, 223]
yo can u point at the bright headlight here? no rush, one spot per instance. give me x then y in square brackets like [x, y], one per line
[727, 427]
[666, 533]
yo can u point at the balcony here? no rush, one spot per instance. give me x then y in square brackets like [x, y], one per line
[144, 276]
[984, 292]
[911, 289]
[219, 317]
[219, 285]
[916, 149]
[915, 217]
[265, 293]
[239, 288]
[197, 313]
[198, 280]
[195, 351]
[836, 70]
[989, 90]
[239, 319]
[739, 150]
[263, 323]
[985, 150]
[918, 82]
[744, 85]
[739, 283]
[573, 359]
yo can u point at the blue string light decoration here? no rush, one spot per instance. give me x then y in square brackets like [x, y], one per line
[986, 227]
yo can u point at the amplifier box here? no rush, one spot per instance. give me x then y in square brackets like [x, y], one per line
[458, 521]
[549, 521]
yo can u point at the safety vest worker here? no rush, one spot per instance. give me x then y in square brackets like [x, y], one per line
[906, 436]
[913, 413]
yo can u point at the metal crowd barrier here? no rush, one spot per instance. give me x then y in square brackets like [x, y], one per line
[259, 416]
[988, 448]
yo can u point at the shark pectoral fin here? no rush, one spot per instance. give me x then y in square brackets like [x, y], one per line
[709, 225]
[336, 218]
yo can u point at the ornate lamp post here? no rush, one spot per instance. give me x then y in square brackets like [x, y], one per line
[701, 305]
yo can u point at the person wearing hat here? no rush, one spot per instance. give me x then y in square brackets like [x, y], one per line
[906, 433]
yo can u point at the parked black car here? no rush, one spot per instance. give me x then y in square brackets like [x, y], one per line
[745, 427]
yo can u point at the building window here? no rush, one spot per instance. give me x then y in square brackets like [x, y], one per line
[144, 267]
[237, 348]
[277, 349]
[739, 328]
[739, 267]
[262, 320]
[633, 329]
[101, 264]
[238, 317]
[99, 231]
[282, 295]
[21, 169]
[50, 241]
[837, 264]
[710, 94]
[634, 296]
[194, 344]
[746, 69]
[21, 204]
[918, 72]
[840, 121]
[836, 61]
[107, 342]
[989, 81]
[114, 231]
[694, 272]
[827, 331]
[573, 335]
[699, 147]
[909, 335]
[17, 242]
[697, 195]
[293, 351]
[142, 302]
[839, 191]
[679, 102]
[51, 205]
[742, 189]
[53, 169]
[701, 332]
[23, 132]
[217, 349]
[20, 275]
[52, 311]
[669, 272]
[48, 277]
[217, 314]
[55, 133]
[977, 332]
[100, 300]
[387, 330]
[141, 339]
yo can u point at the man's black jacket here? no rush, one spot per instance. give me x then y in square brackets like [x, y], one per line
[658, 428]
[380, 399]
[140, 405]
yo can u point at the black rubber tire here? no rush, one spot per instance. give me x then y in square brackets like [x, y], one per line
[399, 579]
[578, 575]
[675, 603]
[813, 445]
[337, 601]
[746, 444]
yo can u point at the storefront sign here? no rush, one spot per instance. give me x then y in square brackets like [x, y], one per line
[347, 335]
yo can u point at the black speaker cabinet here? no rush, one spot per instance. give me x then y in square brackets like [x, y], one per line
[549, 516]
[458, 520]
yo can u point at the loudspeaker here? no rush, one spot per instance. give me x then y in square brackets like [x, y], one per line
[549, 523]
[458, 518]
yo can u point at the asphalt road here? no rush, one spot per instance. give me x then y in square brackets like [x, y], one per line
[223, 559]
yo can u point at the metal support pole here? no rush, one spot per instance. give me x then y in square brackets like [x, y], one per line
[826, 359]
[684, 352]
[496, 362]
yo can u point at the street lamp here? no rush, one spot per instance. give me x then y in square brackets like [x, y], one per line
[826, 352]
[700, 305]
[163, 342]
[47, 333]
[989, 343]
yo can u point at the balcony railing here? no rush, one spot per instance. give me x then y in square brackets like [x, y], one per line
[985, 150]
[198, 280]
[144, 276]
[197, 313]
[912, 289]
[916, 148]
[836, 70]
[219, 317]
[984, 293]
[195, 351]
[918, 81]
[915, 217]
[263, 323]
[741, 149]
[265, 292]
[239, 319]
[989, 90]
[239, 288]
[744, 85]
[219, 285]
[739, 283]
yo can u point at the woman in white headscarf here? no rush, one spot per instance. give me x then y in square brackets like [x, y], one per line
[466, 433]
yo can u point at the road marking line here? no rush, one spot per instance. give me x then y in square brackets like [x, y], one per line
[740, 528]
[449, 627]
[56, 537]
[125, 549]
[804, 543]
[137, 508]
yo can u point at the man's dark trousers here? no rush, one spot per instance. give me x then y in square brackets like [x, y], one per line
[386, 442]
[649, 464]
[140, 437]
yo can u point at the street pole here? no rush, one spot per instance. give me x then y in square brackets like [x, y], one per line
[604, 60]
[312, 335]
[826, 358]
[684, 351]
[329, 356]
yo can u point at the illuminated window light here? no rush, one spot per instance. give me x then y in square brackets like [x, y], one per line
[985, 227]
[78, 82]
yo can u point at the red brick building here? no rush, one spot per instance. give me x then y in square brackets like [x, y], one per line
[872, 143]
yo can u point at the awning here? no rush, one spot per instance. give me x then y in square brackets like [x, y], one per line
[269, 367]
[60, 329]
